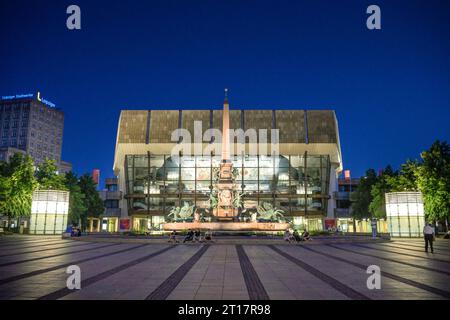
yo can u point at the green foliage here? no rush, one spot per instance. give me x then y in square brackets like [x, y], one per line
[92, 201]
[433, 180]
[406, 179]
[48, 177]
[18, 180]
[431, 177]
[17, 183]
[362, 197]
[77, 208]
[377, 206]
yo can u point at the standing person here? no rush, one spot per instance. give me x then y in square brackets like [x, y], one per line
[374, 228]
[428, 233]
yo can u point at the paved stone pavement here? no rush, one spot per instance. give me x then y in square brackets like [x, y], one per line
[34, 267]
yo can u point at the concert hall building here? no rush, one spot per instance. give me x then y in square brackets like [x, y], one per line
[298, 182]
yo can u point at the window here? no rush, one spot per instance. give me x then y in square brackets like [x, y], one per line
[111, 203]
[112, 187]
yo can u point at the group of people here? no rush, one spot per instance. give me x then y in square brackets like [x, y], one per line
[192, 236]
[74, 231]
[336, 230]
[295, 236]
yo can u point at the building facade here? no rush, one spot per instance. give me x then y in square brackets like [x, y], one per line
[31, 125]
[343, 211]
[298, 181]
[109, 221]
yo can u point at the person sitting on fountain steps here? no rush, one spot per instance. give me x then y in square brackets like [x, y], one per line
[306, 235]
[288, 236]
[173, 237]
[189, 237]
[297, 236]
[208, 236]
[197, 236]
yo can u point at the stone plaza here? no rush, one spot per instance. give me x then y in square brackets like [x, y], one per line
[114, 267]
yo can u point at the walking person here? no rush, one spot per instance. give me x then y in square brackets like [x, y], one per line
[428, 233]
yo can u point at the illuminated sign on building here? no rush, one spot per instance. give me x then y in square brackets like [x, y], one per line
[18, 96]
[96, 176]
[50, 104]
[347, 174]
[30, 95]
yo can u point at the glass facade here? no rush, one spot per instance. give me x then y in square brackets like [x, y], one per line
[49, 212]
[405, 214]
[297, 185]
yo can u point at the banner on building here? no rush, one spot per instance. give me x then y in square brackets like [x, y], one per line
[330, 224]
[96, 176]
[124, 224]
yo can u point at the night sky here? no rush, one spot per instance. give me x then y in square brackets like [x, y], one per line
[389, 87]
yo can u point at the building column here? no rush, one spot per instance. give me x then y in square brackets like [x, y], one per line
[333, 187]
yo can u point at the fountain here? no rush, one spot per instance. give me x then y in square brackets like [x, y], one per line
[226, 200]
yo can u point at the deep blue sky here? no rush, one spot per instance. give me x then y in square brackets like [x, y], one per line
[390, 88]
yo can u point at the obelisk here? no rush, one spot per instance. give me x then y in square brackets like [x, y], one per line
[226, 129]
[225, 209]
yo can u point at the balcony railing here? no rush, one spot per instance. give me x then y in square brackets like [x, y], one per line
[112, 212]
[110, 195]
[341, 195]
[343, 212]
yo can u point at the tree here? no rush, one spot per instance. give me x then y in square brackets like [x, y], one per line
[48, 177]
[406, 180]
[92, 201]
[377, 206]
[77, 208]
[17, 183]
[362, 197]
[433, 180]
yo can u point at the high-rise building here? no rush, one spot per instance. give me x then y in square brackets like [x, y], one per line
[31, 125]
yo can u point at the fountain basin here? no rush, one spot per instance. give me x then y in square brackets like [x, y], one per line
[227, 226]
